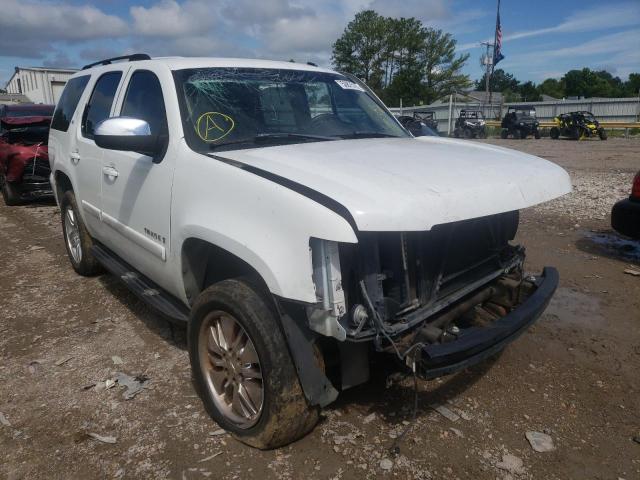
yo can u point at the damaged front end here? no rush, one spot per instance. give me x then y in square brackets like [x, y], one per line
[24, 155]
[444, 299]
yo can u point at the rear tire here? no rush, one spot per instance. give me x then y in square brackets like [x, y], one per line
[272, 410]
[536, 135]
[554, 133]
[77, 240]
[10, 193]
[504, 134]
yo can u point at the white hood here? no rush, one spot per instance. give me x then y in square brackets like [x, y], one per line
[412, 184]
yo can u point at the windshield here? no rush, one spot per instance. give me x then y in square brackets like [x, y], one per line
[232, 108]
[473, 115]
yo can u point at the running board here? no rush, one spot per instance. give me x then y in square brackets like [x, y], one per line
[141, 286]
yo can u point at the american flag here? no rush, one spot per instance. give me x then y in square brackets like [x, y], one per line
[497, 51]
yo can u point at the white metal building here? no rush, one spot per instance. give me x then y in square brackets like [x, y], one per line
[39, 84]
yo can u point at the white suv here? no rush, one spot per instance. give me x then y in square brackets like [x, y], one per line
[284, 214]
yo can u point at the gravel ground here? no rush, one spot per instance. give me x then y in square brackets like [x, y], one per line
[573, 376]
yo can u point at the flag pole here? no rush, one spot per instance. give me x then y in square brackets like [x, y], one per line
[493, 59]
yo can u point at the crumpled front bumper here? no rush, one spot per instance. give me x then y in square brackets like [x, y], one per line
[476, 344]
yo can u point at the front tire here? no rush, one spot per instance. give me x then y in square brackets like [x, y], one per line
[536, 135]
[504, 133]
[77, 240]
[242, 368]
[602, 133]
[554, 133]
[467, 133]
[10, 193]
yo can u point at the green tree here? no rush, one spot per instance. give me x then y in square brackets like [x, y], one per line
[399, 58]
[552, 87]
[587, 83]
[362, 47]
[442, 70]
[500, 81]
[529, 92]
[632, 86]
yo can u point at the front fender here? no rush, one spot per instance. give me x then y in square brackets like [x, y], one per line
[259, 221]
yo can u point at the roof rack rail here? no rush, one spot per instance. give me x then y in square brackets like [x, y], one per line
[134, 57]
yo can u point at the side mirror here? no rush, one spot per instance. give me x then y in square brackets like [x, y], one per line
[128, 134]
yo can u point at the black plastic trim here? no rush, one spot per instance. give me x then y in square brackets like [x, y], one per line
[134, 57]
[476, 344]
[310, 193]
[145, 289]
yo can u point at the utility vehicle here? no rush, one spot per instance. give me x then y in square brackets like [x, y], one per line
[470, 124]
[284, 215]
[577, 125]
[520, 122]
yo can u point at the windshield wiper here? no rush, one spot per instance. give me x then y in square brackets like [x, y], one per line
[266, 137]
[281, 135]
[368, 135]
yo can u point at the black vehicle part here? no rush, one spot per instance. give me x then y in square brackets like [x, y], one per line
[413, 275]
[87, 265]
[303, 190]
[317, 388]
[475, 343]
[10, 192]
[285, 414]
[141, 286]
[625, 217]
[134, 57]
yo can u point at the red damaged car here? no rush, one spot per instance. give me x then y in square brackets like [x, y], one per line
[24, 156]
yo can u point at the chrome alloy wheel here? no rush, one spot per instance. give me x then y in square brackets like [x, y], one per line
[231, 367]
[72, 232]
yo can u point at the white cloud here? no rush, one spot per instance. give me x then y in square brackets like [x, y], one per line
[171, 19]
[27, 28]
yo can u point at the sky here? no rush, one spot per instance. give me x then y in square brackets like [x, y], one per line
[541, 38]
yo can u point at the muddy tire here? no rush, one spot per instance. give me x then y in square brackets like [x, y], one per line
[554, 133]
[77, 240]
[248, 384]
[536, 134]
[10, 193]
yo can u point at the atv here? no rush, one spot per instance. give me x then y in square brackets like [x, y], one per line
[520, 122]
[428, 118]
[470, 124]
[577, 125]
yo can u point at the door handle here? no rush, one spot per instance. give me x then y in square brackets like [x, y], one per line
[110, 172]
[75, 157]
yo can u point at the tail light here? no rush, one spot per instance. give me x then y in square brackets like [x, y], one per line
[635, 190]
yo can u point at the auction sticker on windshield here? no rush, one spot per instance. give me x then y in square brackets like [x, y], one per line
[347, 85]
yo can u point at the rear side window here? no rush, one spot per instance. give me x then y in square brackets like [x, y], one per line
[99, 105]
[144, 100]
[68, 103]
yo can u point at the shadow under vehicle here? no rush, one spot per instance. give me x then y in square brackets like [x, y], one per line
[24, 156]
[470, 124]
[520, 122]
[577, 125]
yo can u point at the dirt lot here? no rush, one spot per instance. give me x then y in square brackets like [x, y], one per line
[574, 375]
